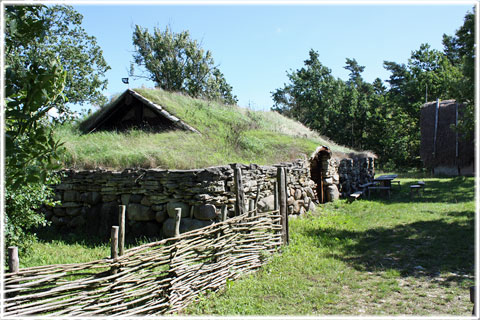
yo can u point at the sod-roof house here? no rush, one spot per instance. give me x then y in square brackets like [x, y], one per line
[442, 148]
[132, 110]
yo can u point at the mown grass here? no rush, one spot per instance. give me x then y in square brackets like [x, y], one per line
[228, 134]
[377, 257]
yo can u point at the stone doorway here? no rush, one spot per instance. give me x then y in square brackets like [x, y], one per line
[318, 170]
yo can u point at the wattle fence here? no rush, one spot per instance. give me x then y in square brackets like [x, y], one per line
[156, 278]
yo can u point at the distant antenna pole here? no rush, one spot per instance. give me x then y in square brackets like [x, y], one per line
[456, 130]
[436, 127]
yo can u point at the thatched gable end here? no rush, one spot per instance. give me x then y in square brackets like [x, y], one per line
[443, 147]
[132, 110]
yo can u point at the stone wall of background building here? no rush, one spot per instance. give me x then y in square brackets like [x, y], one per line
[344, 176]
[90, 199]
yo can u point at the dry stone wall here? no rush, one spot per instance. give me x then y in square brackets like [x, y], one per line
[90, 199]
[344, 176]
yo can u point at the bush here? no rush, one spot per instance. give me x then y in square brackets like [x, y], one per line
[22, 212]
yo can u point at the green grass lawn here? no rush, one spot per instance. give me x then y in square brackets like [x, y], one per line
[377, 257]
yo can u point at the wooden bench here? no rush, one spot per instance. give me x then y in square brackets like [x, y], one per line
[354, 196]
[365, 186]
[379, 188]
[415, 187]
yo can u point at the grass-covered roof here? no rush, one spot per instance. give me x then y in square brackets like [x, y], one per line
[229, 134]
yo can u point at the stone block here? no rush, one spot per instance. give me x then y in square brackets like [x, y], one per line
[290, 200]
[138, 212]
[93, 198]
[298, 194]
[71, 196]
[58, 221]
[73, 211]
[309, 192]
[174, 204]
[77, 222]
[266, 204]
[59, 212]
[161, 216]
[136, 198]
[125, 198]
[205, 212]
[332, 193]
[145, 201]
[71, 204]
[186, 224]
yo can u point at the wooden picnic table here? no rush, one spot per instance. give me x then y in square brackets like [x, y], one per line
[386, 180]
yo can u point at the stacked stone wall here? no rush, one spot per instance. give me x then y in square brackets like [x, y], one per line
[90, 199]
[343, 176]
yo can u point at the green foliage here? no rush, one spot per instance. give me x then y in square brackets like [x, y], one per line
[178, 63]
[373, 117]
[48, 60]
[460, 50]
[22, 212]
[62, 39]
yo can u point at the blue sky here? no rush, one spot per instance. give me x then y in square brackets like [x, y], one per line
[255, 45]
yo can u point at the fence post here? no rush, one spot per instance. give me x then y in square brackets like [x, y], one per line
[121, 233]
[282, 199]
[224, 212]
[275, 196]
[256, 198]
[13, 266]
[239, 194]
[251, 207]
[287, 232]
[13, 262]
[178, 217]
[114, 247]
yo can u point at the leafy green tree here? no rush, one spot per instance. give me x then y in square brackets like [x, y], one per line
[313, 96]
[34, 84]
[62, 38]
[175, 62]
[460, 50]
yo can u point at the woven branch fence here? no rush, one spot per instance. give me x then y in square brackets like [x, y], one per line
[161, 277]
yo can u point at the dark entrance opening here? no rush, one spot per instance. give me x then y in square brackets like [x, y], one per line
[318, 169]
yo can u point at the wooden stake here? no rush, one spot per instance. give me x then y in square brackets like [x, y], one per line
[224, 212]
[239, 194]
[178, 217]
[114, 247]
[13, 262]
[275, 196]
[282, 199]
[251, 206]
[121, 234]
[256, 198]
[287, 234]
[114, 242]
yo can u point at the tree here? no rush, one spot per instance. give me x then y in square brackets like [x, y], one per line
[175, 62]
[63, 39]
[460, 50]
[34, 84]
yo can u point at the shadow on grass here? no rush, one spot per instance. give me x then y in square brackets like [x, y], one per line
[445, 190]
[49, 234]
[423, 248]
